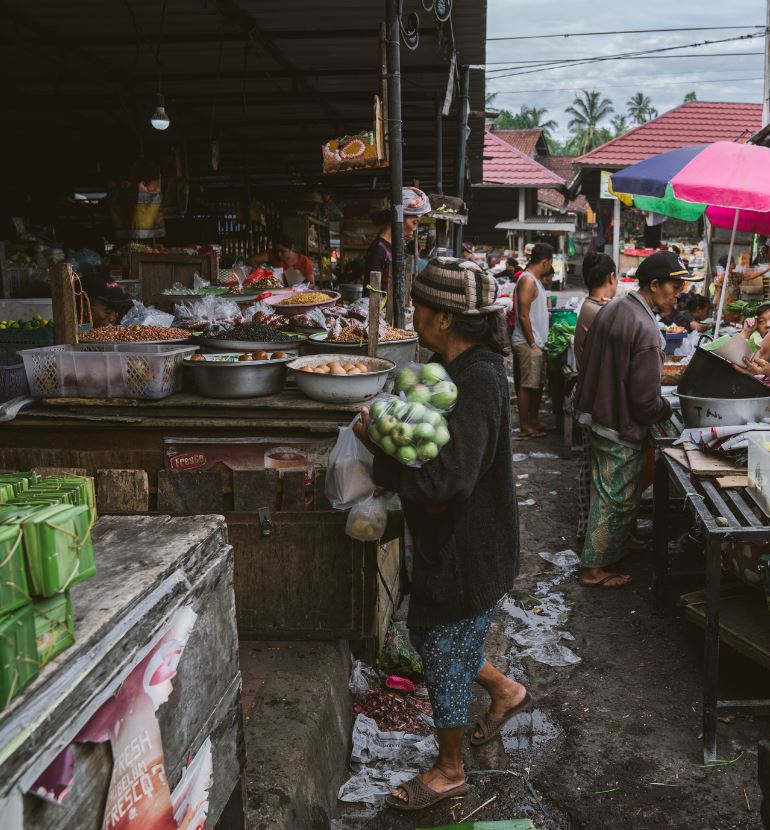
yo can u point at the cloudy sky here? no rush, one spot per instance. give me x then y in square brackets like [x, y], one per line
[715, 72]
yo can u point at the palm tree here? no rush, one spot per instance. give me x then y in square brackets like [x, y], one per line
[691, 96]
[620, 124]
[587, 110]
[640, 108]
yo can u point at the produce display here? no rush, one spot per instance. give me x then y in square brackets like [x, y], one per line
[36, 322]
[132, 334]
[254, 333]
[336, 368]
[306, 298]
[45, 548]
[242, 358]
[427, 383]
[354, 332]
[412, 433]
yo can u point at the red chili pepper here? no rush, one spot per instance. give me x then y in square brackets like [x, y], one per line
[264, 295]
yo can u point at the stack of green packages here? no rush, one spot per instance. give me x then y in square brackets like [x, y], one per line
[45, 549]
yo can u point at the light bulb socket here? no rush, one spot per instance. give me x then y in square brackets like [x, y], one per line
[159, 119]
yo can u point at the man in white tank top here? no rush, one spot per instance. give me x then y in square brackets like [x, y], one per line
[529, 337]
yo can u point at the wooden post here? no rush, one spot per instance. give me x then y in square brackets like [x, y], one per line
[65, 313]
[375, 298]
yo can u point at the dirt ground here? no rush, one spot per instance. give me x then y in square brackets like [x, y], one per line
[615, 740]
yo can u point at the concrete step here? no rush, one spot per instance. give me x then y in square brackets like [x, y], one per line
[298, 722]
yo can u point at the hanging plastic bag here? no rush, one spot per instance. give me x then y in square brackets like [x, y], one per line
[367, 519]
[427, 383]
[412, 433]
[349, 474]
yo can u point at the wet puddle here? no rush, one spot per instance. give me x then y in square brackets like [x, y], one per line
[528, 731]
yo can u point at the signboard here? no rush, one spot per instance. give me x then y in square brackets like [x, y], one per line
[604, 185]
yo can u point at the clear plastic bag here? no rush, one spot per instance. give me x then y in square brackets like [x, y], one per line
[427, 383]
[141, 315]
[209, 309]
[368, 519]
[412, 433]
[349, 474]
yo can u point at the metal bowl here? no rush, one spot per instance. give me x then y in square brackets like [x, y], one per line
[401, 352]
[217, 377]
[302, 308]
[341, 388]
[714, 412]
[252, 346]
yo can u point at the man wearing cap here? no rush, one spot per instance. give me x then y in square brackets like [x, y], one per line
[619, 398]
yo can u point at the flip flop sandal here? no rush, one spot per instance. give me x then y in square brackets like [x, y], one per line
[490, 727]
[420, 796]
[603, 583]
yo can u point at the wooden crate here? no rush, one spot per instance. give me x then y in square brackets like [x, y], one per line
[157, 272]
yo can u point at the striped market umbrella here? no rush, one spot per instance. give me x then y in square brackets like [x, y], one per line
[727, 183]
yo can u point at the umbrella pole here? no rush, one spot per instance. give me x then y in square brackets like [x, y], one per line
[725, 279]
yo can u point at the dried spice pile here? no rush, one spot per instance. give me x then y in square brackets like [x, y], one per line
[132, 334]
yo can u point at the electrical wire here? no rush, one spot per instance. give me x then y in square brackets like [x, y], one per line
[632, 84]
[627, 32]
[569, 63]
[523, 63]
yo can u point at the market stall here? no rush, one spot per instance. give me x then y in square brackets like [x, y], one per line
[154, 632]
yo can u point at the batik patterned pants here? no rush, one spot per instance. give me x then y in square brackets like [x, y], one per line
[452, 655]
[616, 494]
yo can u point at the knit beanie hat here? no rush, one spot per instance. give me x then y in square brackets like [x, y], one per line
[455, 285]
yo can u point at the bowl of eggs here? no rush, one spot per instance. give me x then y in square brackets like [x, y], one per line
[340, 378]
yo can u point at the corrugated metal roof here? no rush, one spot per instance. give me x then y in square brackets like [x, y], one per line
[504, 164]
[94, 74]
[695, 122]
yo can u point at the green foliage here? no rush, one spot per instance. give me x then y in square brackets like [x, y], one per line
[527, 118]
[691, 96]
[587, 111]
[640, 108]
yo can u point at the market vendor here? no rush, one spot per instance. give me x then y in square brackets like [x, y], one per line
[736, 276]
[689, 314]
[108, 302]
[461, 510]
[379, 255]
[297, 268]
[755, 330]
[619, 397]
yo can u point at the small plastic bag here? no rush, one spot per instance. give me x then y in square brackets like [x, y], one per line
[427, 383]
[367, 519]
[349, 474]
[412, 433]
[141, 315]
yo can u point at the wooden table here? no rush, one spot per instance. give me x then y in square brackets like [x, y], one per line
[308, 580]
[147, 568]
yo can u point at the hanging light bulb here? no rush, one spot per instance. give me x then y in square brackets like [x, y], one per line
[159, 119]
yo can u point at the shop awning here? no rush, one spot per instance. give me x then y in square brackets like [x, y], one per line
[547, 224]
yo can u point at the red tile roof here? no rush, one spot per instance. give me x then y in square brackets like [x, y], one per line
[696, 122]
[555, 200]
[561, 165]
[506, 165]
[523, 140]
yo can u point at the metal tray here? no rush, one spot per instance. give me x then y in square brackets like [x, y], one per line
[252, 345]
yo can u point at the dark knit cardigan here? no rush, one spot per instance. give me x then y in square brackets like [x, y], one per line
[461, 507]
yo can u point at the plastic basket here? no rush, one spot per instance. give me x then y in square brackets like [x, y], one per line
[13, 382]
[14, 340]
[105, 370]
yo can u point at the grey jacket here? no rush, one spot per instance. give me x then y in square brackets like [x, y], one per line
[618, 391]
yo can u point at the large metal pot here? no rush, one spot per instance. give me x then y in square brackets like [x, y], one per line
[715, 412]
[401, 352]
[217, 377]
[710, 375]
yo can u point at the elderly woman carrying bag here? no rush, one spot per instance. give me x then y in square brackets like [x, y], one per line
[461, 509]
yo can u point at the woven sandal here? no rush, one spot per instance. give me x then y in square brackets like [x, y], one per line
[490, 727]
[420, 796]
